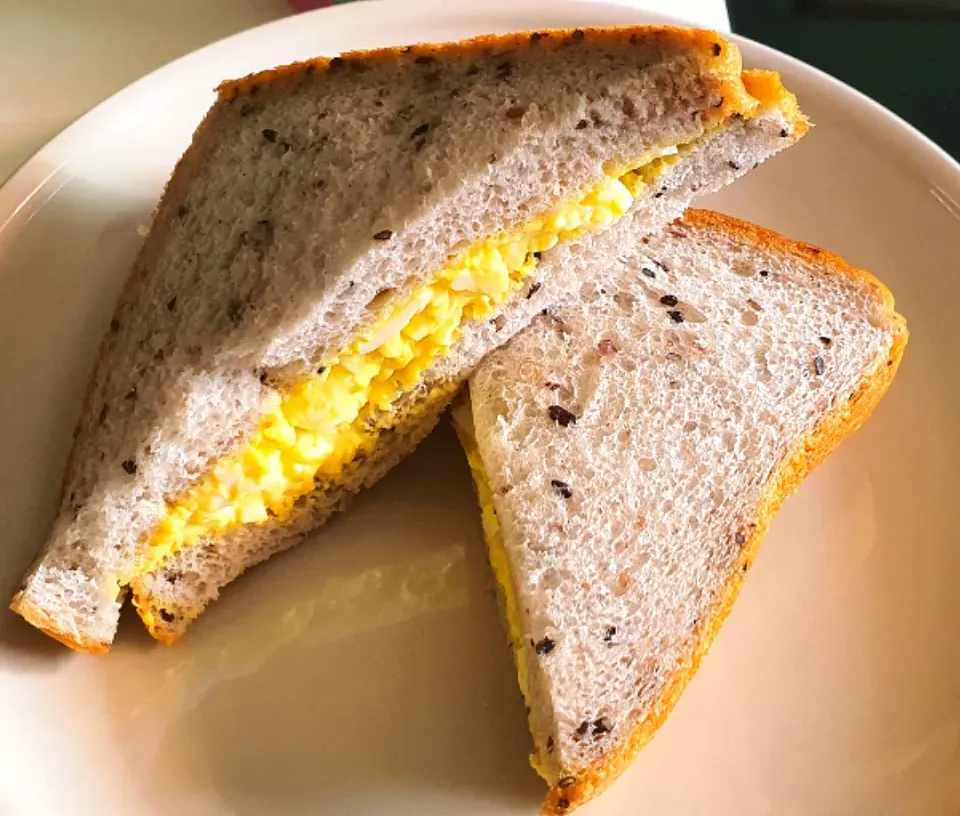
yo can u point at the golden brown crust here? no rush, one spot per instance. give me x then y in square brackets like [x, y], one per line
[753, 234]
[767, 88]
[37, 617]
[724, 57]
[832, 430]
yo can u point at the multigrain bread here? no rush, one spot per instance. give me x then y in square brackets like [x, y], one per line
[630, 451]
[313, 200]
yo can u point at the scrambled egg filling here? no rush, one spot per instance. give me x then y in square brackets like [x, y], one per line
[496, 551]
[497, 554]
[312, 432]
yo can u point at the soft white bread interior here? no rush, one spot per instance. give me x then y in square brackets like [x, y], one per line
[630, 450]
[174, 594]
[312, 200]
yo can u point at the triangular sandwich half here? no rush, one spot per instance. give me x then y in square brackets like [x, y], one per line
[630, 451]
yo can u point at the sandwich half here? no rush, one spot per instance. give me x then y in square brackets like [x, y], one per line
[343, 241]
[629, 451]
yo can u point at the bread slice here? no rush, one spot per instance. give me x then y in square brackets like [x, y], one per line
[315, 201]
[630, 451]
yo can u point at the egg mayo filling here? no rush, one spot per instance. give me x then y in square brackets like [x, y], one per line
[496, 550]
[310, 433]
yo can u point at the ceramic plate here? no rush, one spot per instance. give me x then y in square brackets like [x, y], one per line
[367, 672]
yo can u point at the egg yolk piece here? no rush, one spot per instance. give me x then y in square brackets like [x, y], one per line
[310, 433]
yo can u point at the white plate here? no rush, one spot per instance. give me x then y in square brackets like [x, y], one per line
[367, 672]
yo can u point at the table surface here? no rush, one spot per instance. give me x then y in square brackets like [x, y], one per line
[67, 55]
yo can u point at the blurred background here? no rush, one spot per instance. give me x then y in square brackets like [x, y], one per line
[903, 53]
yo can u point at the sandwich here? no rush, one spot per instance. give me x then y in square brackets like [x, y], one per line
[629, 450]
[343, 241]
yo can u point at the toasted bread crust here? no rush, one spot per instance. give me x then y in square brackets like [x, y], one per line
[836, 426]
[36, 616]
[724, 56]
[767, 88]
